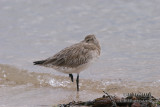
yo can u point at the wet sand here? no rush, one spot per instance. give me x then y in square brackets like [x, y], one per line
[23, 88]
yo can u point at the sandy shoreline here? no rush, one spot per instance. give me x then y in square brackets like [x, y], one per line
[23, 88]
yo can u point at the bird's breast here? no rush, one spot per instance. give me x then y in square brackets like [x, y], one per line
[95, 55]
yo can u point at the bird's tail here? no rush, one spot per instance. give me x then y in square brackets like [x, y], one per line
[39, 62]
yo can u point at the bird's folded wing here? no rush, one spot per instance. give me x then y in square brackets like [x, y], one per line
[71, 56]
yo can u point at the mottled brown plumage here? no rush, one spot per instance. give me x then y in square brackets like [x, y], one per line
[75, 58]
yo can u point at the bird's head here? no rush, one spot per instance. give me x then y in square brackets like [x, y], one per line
[91, 39]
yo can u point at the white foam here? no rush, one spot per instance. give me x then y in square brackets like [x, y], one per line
[55, 83]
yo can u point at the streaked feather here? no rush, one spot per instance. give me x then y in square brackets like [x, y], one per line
[73, 56]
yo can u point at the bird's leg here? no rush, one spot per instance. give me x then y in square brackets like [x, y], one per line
[77, 81]
[71, 76]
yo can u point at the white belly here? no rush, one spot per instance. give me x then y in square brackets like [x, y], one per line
[68, 70]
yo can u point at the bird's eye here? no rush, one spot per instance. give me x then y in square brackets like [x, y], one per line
[88, 40]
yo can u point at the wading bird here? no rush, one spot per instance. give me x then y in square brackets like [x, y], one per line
[75, 58]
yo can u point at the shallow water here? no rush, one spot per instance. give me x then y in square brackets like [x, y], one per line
[128, 32]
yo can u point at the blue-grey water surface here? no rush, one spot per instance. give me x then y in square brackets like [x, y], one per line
[128, 31]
